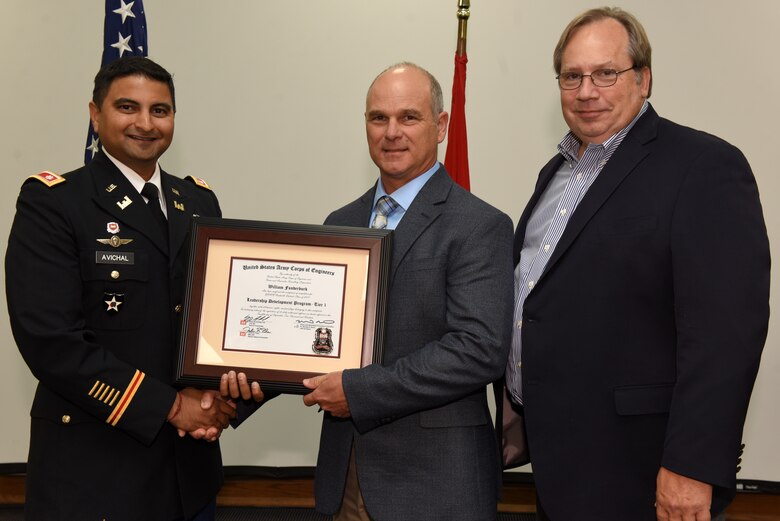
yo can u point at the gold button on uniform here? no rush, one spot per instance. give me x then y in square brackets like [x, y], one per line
[65, 419]
[178, 308]
[114, 274]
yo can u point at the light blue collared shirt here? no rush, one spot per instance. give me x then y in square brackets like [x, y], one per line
[404, 196]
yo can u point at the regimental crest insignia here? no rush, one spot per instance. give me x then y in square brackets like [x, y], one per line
[114, 241]
[112, 228]
[323, 341]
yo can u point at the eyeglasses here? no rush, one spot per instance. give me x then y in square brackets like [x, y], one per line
[600, 78]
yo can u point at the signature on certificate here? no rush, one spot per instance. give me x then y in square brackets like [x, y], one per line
[254, 331]
[250, 320]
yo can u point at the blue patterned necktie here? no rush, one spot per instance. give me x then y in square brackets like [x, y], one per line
[385, 205]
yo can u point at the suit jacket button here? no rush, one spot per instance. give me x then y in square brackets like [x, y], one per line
[114, 274]
[65, 419]
[178, 308]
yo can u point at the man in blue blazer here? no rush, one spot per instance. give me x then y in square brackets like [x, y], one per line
[642, 284]
[412, 438]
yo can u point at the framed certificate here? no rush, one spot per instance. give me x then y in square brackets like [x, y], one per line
[281, 302]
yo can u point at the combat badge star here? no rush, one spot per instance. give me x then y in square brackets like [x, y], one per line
[113, 304]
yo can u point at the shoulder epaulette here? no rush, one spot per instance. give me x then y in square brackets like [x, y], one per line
[48, 178]
[198, 181]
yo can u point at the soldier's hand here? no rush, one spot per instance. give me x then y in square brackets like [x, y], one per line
[202, 414]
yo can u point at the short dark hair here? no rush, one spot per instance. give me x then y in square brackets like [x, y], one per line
[130, 66]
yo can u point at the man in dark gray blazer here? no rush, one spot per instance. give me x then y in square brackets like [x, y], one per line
[642, 297]
[412, 438]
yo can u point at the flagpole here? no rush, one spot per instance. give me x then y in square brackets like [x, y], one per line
[463, 25]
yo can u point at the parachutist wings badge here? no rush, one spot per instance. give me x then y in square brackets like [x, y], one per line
[115, 241]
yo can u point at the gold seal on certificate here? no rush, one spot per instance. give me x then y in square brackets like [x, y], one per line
[282, 302]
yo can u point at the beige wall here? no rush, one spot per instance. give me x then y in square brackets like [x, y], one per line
[270, 98]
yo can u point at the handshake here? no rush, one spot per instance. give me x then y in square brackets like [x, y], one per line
[204, 414]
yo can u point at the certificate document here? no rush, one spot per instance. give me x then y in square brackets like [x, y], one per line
[293, 308]
[282, 302]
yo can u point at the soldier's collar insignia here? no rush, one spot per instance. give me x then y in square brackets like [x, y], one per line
[124, 203]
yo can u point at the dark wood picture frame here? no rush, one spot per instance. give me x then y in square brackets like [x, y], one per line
[307, 242]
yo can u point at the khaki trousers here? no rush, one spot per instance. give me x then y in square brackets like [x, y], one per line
[353, 508]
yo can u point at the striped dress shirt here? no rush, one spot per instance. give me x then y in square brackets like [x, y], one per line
[547, 223]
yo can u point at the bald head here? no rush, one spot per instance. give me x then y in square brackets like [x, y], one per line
[437, 98]
[404, 123]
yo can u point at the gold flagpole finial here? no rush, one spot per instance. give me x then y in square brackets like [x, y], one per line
[463, 20]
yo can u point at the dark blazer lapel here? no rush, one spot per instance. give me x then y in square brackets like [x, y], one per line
[545, 176]
[179, 209]
[123, 201]
[625, 159]
[425, 209]
[360, 214]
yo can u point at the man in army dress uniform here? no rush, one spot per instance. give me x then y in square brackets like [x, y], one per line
[95, 279]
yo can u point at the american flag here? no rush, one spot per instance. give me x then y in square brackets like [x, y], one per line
[124, 33]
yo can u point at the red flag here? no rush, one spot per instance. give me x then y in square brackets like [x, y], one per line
[456, 160]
